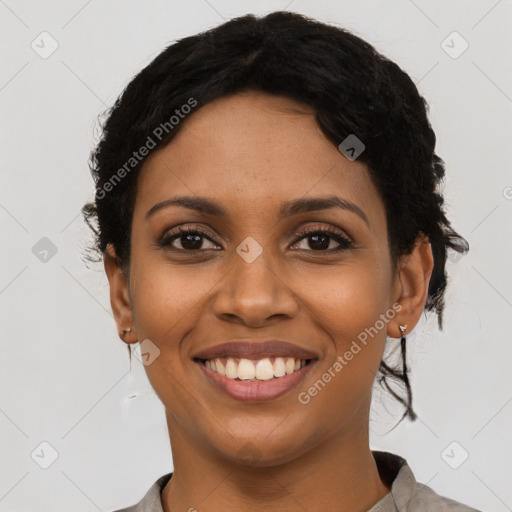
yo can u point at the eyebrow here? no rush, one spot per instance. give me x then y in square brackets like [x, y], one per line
[288, 208]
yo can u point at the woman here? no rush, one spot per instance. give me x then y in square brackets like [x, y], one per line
[268, 212]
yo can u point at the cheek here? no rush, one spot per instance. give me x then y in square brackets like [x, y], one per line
[347, 305]
[166, 303]
[348, 299]
[166, 298]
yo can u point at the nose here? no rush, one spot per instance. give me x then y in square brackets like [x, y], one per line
[254, 293]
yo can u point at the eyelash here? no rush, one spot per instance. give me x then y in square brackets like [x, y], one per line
[344, 242]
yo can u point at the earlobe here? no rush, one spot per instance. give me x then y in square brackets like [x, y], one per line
[413, 278]
[119, 296]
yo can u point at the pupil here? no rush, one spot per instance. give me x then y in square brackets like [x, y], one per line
[194, 242]
[322, 244]
[186, 239]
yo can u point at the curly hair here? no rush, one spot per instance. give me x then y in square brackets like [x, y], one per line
[353, 90]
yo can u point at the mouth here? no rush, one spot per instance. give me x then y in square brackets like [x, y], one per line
[255, 380]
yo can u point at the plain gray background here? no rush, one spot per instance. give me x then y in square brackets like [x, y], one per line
[65, 374]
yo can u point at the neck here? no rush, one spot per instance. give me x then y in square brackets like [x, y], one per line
[339, 474]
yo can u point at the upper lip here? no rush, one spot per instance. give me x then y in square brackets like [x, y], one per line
[255, 350]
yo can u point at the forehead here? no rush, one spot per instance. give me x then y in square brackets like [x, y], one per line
[254, 150]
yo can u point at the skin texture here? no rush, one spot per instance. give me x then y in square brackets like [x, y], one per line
[251, 152]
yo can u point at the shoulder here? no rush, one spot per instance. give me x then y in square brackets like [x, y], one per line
[426, 500]
[151, 501]
[407, 495]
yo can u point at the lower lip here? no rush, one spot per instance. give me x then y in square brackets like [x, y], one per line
[256, 391]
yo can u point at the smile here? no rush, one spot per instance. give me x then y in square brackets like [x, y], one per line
[255, 380]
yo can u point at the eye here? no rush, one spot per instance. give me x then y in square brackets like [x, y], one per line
[190, 239]
[320, 239]
[193, 239]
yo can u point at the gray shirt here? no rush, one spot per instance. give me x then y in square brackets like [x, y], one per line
[406, 494]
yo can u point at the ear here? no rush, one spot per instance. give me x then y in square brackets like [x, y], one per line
[119, 295]
[411, 286]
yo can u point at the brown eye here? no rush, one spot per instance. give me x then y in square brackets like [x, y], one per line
[320, 239]
[190, 240]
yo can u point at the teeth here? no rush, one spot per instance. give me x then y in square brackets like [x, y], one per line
[231, 368]
[290, 365]
[262, 369]
[279, 367]
[246, 370]
[220, 367]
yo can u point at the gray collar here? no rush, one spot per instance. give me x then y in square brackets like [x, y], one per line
[406, 494]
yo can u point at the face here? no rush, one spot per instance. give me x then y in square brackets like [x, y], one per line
[263, 270]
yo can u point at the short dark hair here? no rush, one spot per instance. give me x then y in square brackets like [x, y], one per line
[353, 90]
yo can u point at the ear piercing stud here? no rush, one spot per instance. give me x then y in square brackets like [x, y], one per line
[126, 331]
